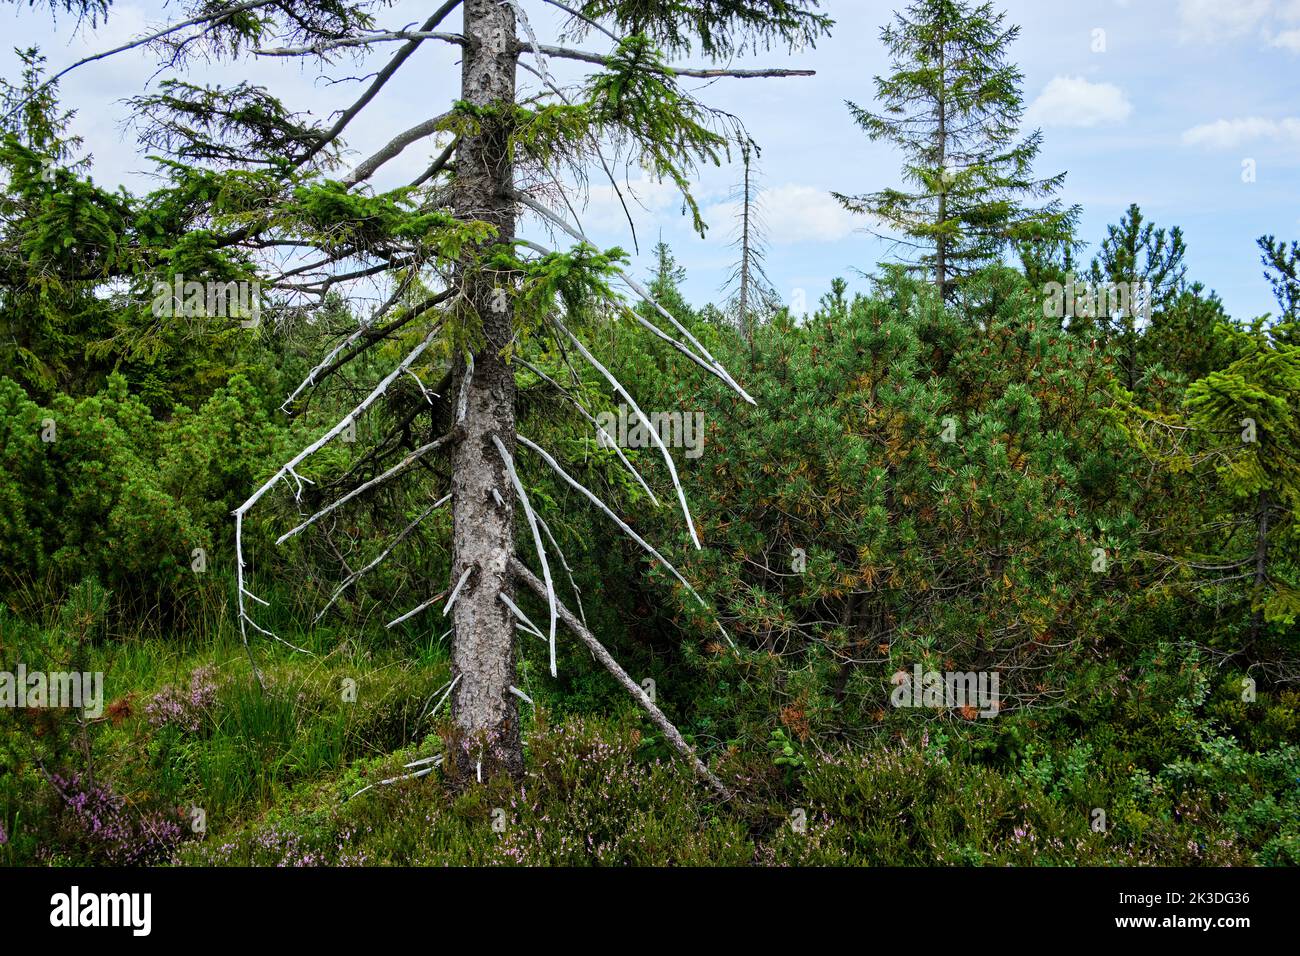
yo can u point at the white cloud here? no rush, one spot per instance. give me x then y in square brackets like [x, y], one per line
[1287, 40]
[793, 213]
[1212, 20]
[1074, 101]
[646, 199]
[1228, 134]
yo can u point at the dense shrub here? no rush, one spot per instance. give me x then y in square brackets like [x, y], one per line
[100, 488]
[916, 485]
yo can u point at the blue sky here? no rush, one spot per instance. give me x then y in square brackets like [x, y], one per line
[1166, 103]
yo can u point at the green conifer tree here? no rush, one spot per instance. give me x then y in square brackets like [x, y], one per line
[953, 106]
[1252, 408]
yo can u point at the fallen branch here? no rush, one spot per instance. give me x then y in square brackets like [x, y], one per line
[597, 649]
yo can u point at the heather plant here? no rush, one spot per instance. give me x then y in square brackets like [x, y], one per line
[94, 825]
[588, 799]
[184, 709]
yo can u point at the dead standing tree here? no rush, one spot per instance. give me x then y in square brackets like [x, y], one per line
[752, 296]
[267, 191]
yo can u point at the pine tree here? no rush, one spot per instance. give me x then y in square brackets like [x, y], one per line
[1184, 338]
[1251, 410]
[1049, 261]
[666, 281]
[1282, 270]
[929, 491]
[953, 107]
[1135, 251]
[259, 176]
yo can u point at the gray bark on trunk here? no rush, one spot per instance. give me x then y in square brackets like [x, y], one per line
[483, 657]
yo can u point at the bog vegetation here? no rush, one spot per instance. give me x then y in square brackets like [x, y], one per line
[961, 469]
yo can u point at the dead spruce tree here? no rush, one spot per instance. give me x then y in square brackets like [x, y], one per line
[751, 296]
[265, 194]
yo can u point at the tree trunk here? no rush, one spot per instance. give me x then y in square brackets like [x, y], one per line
[746, 323]
[941, 244]
[483, 659]
[1263, 505]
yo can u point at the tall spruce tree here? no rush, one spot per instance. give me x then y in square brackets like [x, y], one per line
[953, 107]
[260, 178]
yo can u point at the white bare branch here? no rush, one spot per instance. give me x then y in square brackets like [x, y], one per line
[537, 538]
[325, 46]
[456, 590]
[417, 609]
[524, 623]
[428, 396]
[240, 569]
[641, 320]
[356, 575]
[654, 432]
[586, 413]
[568, 53]
[577, 593]
[333, 353]
[435, 760]
[448, 688]
[361, 489]
[393, 148]
[591, 496]
[462, 400]
[521, 17]
[639, 289]
[341, 426]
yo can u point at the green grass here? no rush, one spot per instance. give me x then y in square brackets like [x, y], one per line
[274, 768]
